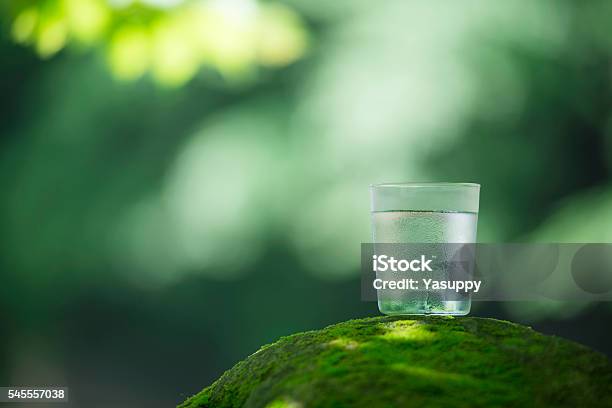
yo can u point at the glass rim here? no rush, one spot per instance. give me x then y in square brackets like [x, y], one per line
[424, 185]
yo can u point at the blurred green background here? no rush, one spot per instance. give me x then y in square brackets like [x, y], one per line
[184, 181]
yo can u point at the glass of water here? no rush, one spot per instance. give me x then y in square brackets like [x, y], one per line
[424, 213]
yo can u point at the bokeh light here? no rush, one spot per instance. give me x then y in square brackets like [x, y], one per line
[171, 39]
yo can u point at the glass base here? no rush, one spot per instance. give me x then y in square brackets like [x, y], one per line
[422, 307]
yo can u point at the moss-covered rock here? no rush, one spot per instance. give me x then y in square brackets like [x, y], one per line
[418, 362]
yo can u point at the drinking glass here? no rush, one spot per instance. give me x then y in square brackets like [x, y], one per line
[424, 213]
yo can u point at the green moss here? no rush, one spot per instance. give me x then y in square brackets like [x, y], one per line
[429, 361]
